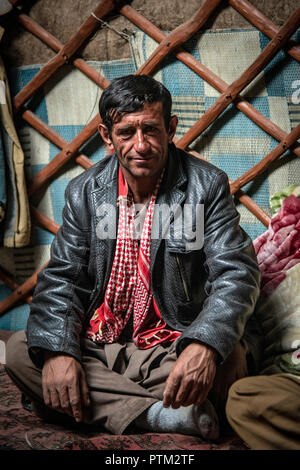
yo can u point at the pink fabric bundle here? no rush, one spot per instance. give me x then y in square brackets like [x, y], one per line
[278, 249]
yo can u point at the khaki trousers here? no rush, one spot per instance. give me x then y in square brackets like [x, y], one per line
[123, 380]
[264, 410]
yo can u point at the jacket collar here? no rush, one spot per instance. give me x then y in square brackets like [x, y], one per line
[171, 194]
[109, 174]
[174, 179]
[174, 176]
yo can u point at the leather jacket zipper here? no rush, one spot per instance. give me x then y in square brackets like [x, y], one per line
[91, 308]
[185, 287]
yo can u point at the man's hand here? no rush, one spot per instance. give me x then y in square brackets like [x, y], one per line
[64, 385]
[192, 376]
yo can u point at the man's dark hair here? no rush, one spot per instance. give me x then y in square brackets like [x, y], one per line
[129, 94]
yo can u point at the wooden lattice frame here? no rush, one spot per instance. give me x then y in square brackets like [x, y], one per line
[280, 39]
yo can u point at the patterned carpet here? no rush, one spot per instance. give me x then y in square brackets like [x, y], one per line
[22, 430]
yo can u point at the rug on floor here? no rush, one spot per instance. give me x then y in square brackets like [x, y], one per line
[22, 430]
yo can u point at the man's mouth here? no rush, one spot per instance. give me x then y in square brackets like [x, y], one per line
[141, 159]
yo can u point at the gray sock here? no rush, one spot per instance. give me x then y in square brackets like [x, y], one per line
[198, 420]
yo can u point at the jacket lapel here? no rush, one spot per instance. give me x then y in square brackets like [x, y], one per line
[170, 196]
[105, 219]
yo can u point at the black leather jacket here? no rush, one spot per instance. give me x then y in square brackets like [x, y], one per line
[208, 293]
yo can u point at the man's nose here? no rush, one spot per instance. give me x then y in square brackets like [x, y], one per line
[141, 143]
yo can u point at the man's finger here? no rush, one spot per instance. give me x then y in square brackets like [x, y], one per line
[84, 390]
[75, 401]
[181, 396]
[54, 399]
[201, 397]
[195, 396]
[189, 397]
[46, 394]
[64, 398]
[171, 389]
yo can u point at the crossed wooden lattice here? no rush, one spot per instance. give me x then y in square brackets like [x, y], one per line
[168, 44]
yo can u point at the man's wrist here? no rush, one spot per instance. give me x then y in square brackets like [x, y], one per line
[211, 352]
[49, 354]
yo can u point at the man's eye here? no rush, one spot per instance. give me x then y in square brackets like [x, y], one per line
[125, 133]
[150, 130]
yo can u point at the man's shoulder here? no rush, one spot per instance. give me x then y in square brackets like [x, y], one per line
[88, 179]
[196, 167]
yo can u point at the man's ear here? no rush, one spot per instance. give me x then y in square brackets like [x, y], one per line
[103, 131]
[172, 127]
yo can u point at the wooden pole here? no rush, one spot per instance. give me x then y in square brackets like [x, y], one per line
[266, 26]
[65, 53]
[179, 36]
[51, 135]
[62, 157]
[238, 85]
[266, 161]
[30, 25]
[11, 283]
[20, 293]
[44, 221]
[243, 198]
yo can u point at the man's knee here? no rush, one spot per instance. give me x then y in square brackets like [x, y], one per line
[248, 398]
[236, 404]
[16, 352]
[21, 369]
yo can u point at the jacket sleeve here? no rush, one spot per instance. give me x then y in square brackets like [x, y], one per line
[63, 288]
[233, 275]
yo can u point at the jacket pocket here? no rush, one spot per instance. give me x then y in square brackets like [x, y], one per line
[184, 282]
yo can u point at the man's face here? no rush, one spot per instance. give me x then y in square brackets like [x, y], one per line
[140, 140]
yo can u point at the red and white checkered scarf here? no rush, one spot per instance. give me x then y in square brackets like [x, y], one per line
[129, 288]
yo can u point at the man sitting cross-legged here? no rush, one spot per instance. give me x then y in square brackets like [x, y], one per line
[128, 325]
